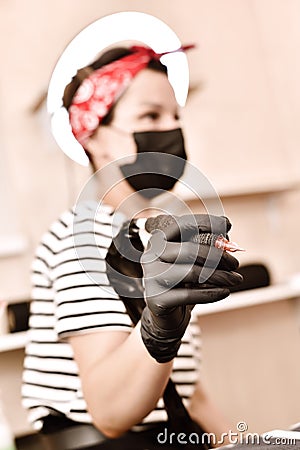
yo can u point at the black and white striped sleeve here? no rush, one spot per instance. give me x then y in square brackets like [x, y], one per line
[84, 299]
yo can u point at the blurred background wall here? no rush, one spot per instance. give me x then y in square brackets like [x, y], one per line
[242, 131]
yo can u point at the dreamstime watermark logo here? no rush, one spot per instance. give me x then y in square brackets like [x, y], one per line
[232, 437]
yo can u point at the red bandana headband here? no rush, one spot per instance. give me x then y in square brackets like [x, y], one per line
[100, 90]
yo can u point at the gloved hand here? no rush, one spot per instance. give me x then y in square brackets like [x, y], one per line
[178, 274]
[124, 270]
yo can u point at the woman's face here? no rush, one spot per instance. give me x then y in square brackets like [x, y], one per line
[148, 104]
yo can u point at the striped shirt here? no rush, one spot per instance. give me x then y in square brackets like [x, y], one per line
[71, 294]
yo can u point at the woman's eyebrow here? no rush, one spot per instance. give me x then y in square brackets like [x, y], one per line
[152, 105]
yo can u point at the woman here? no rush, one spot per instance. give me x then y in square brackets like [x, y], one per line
[86, 363]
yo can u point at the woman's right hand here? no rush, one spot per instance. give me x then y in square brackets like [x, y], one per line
[179, 274]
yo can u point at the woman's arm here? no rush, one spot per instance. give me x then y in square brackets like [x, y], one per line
[204, 411]
[121, 382]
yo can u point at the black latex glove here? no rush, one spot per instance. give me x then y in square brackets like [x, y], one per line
[178, 274]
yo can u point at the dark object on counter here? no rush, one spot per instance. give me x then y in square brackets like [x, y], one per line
[61, 433]
[29, 442]
[255, 276]
[17, 316]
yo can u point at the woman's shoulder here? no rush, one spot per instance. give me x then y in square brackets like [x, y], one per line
[92, 210]
[80, 213]
[84, 220]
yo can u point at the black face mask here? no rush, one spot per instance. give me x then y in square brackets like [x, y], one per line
[155, 170]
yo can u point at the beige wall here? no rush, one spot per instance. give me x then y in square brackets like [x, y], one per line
[241, 128]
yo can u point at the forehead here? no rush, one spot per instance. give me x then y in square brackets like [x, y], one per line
[149, 87]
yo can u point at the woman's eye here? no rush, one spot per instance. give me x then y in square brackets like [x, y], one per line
[151, 116]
